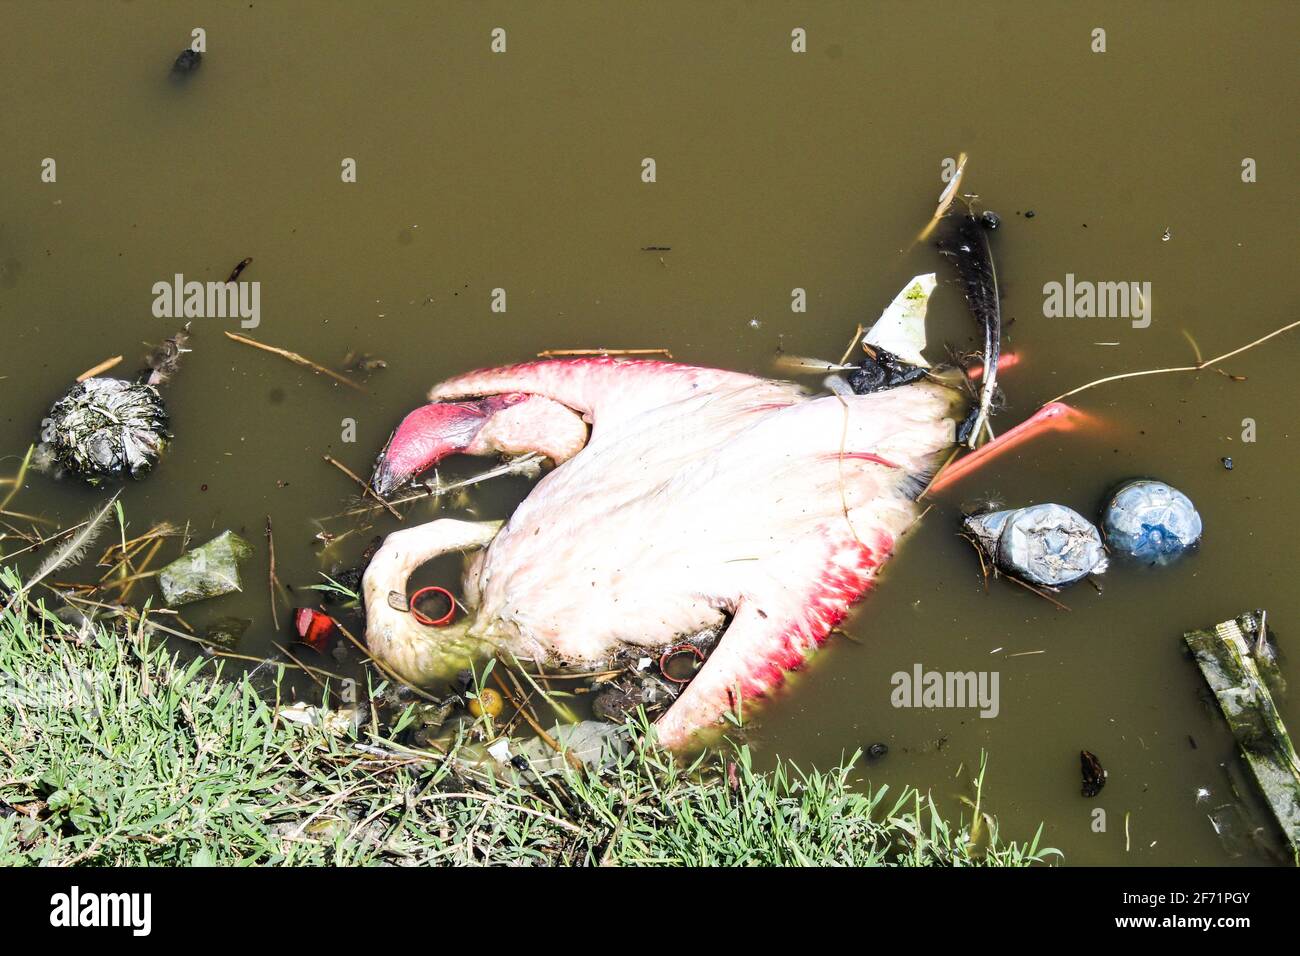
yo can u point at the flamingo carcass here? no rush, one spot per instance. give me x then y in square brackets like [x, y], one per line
[684, 499]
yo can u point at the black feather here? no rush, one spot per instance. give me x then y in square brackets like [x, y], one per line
[967, 246]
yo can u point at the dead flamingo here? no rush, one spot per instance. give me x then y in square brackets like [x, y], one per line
[701, 500]
[685, 500]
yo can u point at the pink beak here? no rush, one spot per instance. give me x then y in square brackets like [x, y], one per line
[429, 434]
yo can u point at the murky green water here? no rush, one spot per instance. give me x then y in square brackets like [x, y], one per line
[775, 170]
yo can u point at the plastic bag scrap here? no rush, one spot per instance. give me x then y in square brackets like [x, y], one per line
[107, 428]
[1150, 521]
[334, 722]
[594, 742]
[205, 572]
[895, 343]
[1045, 544]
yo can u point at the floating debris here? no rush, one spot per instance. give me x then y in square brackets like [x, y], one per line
[101, 368]
[883, 371]
[106, 429]
[1094, 776]
[1235, 657]
[188, 61]
[331, 721]
[1045, 544]
[314, 628]
[239, 268]
[487, 701]
[895, 343]
[969, 249]
[226, 632]
[1150, 521]
[901, 327]
[165, 360]
[205, 572]
[295, 358]
[945, 198]
[590, 743]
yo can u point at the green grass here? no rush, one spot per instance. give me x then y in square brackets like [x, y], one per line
[114, 751]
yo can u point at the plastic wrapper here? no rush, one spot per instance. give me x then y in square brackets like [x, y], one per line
[1150, 521]
[107, 428]
[1045, 544]
[205, 572]
[895, 343]
[900, 330]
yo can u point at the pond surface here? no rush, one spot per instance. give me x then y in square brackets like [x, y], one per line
[775, 170]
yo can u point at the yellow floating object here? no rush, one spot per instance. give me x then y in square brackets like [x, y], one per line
[487, 702]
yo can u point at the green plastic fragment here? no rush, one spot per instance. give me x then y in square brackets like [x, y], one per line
[205, 572]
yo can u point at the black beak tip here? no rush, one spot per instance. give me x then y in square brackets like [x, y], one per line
[384, 481]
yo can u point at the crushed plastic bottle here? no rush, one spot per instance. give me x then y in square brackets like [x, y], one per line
[1046, 544]
[1150, 521]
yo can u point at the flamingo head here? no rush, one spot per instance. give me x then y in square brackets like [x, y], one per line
[432, 432]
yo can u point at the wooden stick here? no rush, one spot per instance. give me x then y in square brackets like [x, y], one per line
[364, 484]
[270, 575]
[103, 366]
[384, 669]
[127, 583]
[1042, 594]
[307, 670]
[554, 353]
[547, 739]
[849, 351]
[1200, 366]
[522, 466]
[945, 199]
[296, 359]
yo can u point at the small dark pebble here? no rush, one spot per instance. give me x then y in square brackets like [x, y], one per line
[876, 751]
[1029, 214]
[990, 219]
[187, 62]
[1227, 463]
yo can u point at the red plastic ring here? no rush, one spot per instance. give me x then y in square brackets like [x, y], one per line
[673, 652]
[425, 619]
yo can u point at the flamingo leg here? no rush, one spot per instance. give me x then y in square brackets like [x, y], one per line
[774, 633]
[1056, 416]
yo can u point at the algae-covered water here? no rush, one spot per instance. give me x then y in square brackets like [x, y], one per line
[775, 170]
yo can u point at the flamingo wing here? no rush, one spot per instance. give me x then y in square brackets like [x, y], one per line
[608, 391]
